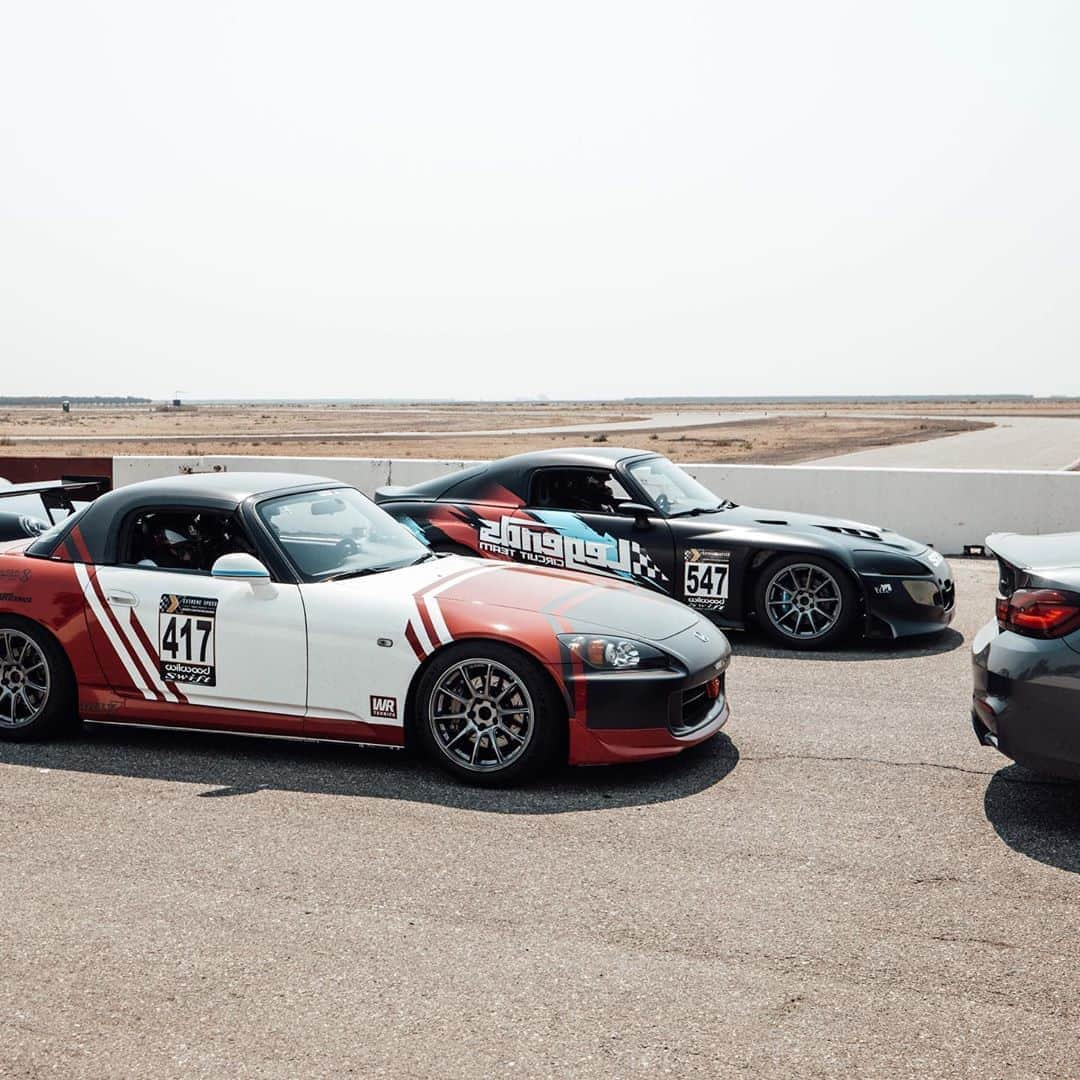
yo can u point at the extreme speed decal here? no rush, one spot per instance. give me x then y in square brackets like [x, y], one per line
[705, 579]
[186, 639]
[564, 540]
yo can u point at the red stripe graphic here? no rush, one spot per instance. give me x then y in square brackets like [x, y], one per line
[76, 538]
[414, 641]
[140, 633]
[99, 593]
[425, 619]
[421, 607]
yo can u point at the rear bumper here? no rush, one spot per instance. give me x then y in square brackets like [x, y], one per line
[1026, 699]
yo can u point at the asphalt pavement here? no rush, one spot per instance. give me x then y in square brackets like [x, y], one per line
[843, 884]
[1014, 442]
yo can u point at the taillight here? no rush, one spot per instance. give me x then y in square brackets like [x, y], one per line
[1041, 613]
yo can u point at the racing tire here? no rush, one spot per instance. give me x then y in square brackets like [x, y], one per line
[489, 715]
[805, 602]
[37, 688]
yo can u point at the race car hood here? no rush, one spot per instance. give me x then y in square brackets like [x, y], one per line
[582, 602]
[850, 534]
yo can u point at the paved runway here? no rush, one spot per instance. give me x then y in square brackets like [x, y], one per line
[1015, 442]
[845, 884]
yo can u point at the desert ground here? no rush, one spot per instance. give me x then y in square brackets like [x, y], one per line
[783, 435]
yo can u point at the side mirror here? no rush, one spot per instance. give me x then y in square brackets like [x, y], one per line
[241, 567]
[641, 513]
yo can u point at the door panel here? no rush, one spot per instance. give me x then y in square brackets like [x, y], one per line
[361, 662]
[209, 642]
[609, 544]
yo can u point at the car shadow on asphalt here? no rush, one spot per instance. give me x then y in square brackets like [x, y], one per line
[1037, 816]
[754, 643]
[224, 766]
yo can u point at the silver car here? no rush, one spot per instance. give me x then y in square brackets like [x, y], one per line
[1026, 699]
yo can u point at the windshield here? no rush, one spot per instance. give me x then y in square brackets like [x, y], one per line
[338, 533]
[672, 491]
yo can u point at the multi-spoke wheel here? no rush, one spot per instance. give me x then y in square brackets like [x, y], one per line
[36, 691]
[487, 714]
[804, 602]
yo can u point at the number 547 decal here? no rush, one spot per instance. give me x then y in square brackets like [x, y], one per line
[705, 579]
[186, 639]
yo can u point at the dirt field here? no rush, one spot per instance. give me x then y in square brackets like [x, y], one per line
[262, 419]
[363, 431]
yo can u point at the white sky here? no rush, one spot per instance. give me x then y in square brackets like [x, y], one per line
[591, 199]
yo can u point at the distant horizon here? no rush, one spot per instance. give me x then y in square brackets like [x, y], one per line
[36, 400]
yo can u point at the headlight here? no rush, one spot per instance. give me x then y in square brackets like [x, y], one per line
[888, 564]
[614, 653]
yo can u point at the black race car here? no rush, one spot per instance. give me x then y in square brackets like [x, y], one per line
[806, 580]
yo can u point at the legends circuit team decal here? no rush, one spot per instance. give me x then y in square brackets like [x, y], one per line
[564, 540]
[186, 627]
[705, 579]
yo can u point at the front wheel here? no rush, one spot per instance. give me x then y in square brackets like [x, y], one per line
[804, 602]
[488, 715]
[37, 692]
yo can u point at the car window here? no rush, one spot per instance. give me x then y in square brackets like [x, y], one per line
[672, 491]
[184, 539]
[338, 533]
[589, 490]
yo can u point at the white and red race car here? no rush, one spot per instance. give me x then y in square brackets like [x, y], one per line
[293, 606]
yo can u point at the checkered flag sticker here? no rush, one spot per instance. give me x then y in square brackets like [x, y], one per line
[642, 565]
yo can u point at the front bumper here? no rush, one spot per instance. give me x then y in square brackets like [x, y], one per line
[1026, 699]
[905, 606]
[632, 716]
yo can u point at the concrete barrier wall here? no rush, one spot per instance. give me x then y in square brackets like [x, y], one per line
[948, 508]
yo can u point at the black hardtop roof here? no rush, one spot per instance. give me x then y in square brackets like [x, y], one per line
[222, 487]
[511, 471]
[596, 456]
[99, 525]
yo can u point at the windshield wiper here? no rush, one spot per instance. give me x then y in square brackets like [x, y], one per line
[364, 571]
[354, 573]
[727, 504]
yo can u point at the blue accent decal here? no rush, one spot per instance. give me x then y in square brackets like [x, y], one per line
[567, 524]
[415, 529]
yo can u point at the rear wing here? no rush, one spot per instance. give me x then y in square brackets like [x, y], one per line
[59, 496]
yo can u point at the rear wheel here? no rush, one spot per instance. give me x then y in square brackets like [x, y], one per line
[804, 602]
[488, 715]
[37, 691]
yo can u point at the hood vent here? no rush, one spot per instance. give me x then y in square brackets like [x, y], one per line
[767, 521]
[843, 530]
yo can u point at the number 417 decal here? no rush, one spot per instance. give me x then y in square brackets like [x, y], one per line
[705, 579]
[186, 626]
